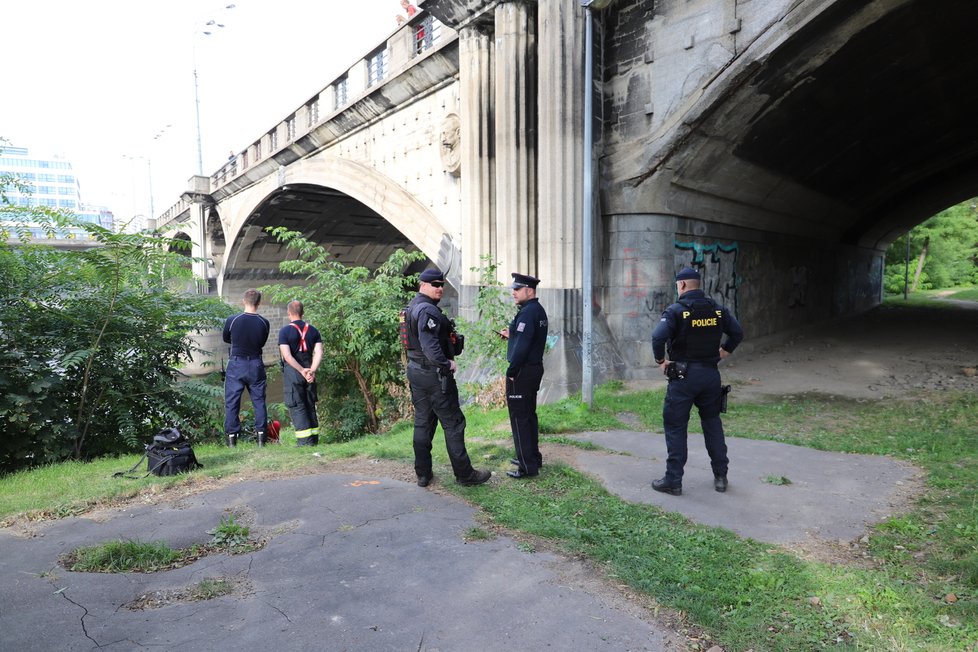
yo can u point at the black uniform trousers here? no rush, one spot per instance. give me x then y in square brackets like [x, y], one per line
[521, 399]
[700, 387]
[244, 372]
[431, 406]
[300, 398]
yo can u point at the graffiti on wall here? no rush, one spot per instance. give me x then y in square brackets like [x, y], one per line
[633, 285]
[640, 301]
[657, 301]
[799, 286]
[717, 263]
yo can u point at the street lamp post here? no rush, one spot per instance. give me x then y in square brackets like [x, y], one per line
[206, 29]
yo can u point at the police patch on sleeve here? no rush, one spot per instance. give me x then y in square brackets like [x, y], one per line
[521, 327]
[431, 324]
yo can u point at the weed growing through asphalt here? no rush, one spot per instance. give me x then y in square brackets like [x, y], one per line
[122, 557]
[478, 534]
[210, 588]
[229, 533]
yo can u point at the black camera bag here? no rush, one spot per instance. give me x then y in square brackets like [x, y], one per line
[169, 454]
[171, 459]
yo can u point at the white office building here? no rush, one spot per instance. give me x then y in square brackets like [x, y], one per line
[52, 184]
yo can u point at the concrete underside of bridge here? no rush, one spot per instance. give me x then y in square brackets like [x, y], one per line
[778, 145]
[806, 137]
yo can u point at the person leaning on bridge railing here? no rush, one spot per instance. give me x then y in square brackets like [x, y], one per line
[692, 328]
[409, 9]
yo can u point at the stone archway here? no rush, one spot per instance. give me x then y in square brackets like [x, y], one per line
[339, 177]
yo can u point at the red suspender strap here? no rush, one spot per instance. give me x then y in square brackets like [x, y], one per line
[302, 335]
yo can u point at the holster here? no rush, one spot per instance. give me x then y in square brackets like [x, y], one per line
[443, 381]
[724, 391]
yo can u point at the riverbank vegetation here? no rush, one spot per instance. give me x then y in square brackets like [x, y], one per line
[91, 341]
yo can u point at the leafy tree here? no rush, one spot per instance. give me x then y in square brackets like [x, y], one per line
[356, 311]
[90, 342]
[494, 310]
[947, 243]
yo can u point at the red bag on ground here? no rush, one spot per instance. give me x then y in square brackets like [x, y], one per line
[273, 429]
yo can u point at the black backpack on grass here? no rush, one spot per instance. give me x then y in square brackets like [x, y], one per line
[169, 454]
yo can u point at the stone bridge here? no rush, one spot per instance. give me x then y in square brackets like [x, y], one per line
[778, 145]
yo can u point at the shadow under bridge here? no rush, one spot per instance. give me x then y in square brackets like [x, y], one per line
[352, 233]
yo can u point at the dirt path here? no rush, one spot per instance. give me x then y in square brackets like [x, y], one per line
[886, 352]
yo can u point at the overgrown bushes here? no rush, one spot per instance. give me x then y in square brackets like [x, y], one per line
[90, 343]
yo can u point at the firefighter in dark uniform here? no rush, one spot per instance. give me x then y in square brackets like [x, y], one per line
[247, 333]
[301, 346]
[527, 336]
[693, 328]
[431, 370]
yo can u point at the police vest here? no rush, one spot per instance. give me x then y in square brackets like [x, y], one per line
[451, 343]
[408, 322]
[700, 331]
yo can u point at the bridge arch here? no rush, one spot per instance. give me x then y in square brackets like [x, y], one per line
[180, 235]
[319, 179]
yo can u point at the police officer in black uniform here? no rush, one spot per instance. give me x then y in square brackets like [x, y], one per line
[247, 333]
[301, 347]
[431, 373]
[692, 328]
[527, 336]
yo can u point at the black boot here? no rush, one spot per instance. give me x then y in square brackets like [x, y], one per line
[232, 440]
[262, 438]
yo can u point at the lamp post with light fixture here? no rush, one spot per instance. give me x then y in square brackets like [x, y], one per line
[206, 29]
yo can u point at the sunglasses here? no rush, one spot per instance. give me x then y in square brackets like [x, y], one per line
[437, 284]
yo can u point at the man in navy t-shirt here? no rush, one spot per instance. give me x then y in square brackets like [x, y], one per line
[247, 333]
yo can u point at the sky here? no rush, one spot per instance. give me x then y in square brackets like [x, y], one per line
[109, 84]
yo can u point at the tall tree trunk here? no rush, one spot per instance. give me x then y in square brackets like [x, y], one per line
[920, 265]
[368, 397]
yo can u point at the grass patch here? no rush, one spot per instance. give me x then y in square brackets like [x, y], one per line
[967, 294]
[122, 557]
[131, 556]
[210, 588]
[919, 593]
[930, 299]
[478, 534]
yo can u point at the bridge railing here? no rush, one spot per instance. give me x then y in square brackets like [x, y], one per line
[398, 51]
[170, 215]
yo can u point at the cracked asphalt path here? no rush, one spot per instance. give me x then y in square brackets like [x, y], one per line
[350, 563]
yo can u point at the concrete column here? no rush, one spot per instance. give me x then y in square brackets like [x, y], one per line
[515, 130]
[560, 142]
[198, 238]
[478, 201]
